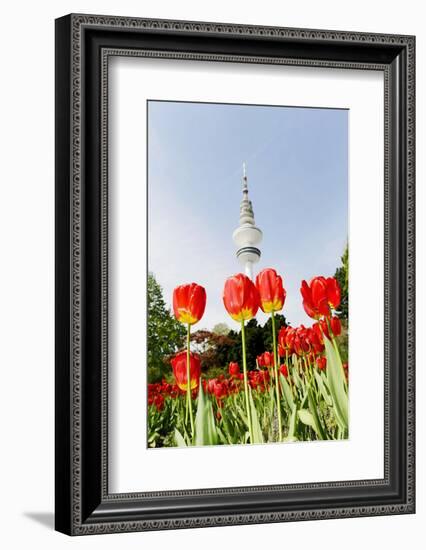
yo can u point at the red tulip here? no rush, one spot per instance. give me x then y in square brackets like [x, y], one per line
[189, 303]
[320, 296]
[282, 333]
[262, 377]
[271, 291]
[301, 341]
[336, 326]
[315, 336]
[240, 297]
[159, 402]
[218, 387]
[321, 328]
[233, 369]
[285, 340]
[266, 359]
[317, 330]
[179, 370]
[210, 384]
[258, 379]
[298, 348]
[220, 390]
[284, 370]
[321, 363]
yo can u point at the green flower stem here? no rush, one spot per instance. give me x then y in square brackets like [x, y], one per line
[308, 374]
[314, 384]
[290, 374]
[243, 342]
[305, 369]
[277, 387]
[299, 366]
[290, 368]
[188, 379]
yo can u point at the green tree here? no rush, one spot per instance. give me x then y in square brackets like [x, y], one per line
[342, 276]
[280, 321]
[165, 333]
[221, 329]
[213, 350]
[258, 340]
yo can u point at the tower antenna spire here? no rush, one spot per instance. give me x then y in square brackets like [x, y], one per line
[247, 235]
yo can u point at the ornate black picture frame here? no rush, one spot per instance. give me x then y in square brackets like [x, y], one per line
[84, 44]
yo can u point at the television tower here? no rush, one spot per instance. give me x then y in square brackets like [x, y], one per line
[247, 236]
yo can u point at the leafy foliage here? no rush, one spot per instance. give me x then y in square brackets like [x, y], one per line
[258, 339]
[342, 276]
[218, 348]
[221, 328]
[213, 348]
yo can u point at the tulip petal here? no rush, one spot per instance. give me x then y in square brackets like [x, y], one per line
[240, 297]
[189, 302]
[271, 291]
[333, 292]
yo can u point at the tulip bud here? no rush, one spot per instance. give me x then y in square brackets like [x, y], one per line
[179, 367]
[240, 297]
[266, 359]
[271, 291]
[336, 326]
[189, 303]
[320, 296]
[284, 370]
[233, 368]
[321, 363]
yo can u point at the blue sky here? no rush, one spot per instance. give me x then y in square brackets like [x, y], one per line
[297, 168]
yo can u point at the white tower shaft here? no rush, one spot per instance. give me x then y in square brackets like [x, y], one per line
[249, 269]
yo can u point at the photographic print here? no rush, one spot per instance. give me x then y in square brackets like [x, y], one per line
[248, 274]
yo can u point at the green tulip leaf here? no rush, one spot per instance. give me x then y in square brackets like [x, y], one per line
[180, 441]
[222, 437]
[321, 386]
[292, 427]
[318, 427]
[257, 431]
[296, 375]
[205, 428]
[306, 417]
[336, 385]
[288, 394]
